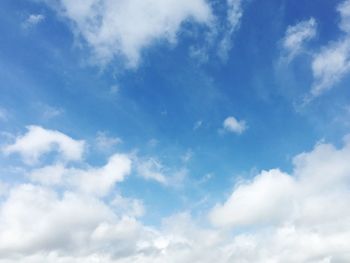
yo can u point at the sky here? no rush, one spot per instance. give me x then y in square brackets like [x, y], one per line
[174, 131]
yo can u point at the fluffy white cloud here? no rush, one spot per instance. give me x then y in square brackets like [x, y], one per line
[108, 26]
[332, 63]
[304, 212]
[100, 180]
[48, 175]
[231, 124]
[297, 35]
[37, 220]
[38, 141]
[95, 181]
[318, 178]
[265, 200]
[277, 217]
[128, 206]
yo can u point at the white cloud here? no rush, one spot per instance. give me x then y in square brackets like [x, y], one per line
[151, 168]
[101, 180]
[344, 10]
[296, 36]
[39, 141]
[108, 26]
[33, 20]
[304, 212]
[48, 175]
[94, 181]
[298, 217]
[274, 196]
[36, 220]
[332, 63]
[265, 200]
[231, 124]
[128, 206]
[330, 66]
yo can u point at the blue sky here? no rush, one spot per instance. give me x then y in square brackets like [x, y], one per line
[205, 103]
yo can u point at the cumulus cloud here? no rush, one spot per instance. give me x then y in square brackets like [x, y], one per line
[128, 206]
[48, 175]
[92, 180]
[304, 211]
[267, 199]
[276, 196]
[36, 220]
[332, 63]
[231, 124]
[39, 141]
[296, 36]
[275, 217]
[108, 26]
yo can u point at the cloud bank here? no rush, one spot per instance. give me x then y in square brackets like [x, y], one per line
[61, 214]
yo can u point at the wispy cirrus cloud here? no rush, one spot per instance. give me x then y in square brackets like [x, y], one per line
[296, 36]
[332, 63]
[33, 20]
[329, 63]
[233, 21]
